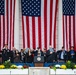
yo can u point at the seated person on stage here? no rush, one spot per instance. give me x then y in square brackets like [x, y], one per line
[49, 54]
[72, 54]
[62, 54]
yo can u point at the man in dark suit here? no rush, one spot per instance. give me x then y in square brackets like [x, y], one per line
[72, 54]
[12, 54]
[50, 55]
[62, 54]
[38, 52]
[5, 53]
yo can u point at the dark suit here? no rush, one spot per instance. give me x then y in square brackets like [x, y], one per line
[23, 57]
[5, 55]
[59, 54]
[50, 57]
[36, 53]
[72, 56]
[29, 58]
[55, 56]
[11, 56]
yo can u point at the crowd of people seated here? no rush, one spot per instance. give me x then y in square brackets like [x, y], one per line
[27, 55]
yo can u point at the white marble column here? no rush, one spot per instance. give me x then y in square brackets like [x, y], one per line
[16, 27]
[59, 26]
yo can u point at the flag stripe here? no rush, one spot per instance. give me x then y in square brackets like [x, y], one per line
[23, 32]
[25, 28]
[36, 32]
[10, 23]
[28, 35]
[55, 24]
[33, 32]
[42, 24]
[64, 24]
[14, 4]
[75, 34]
[1, 18]
[74, 31]
[39, 32]
[6, 22]
[68, 32]
[51, 7]
[7, 5]
[3, 30]
[72, 42]
[45, 23]
[30, 30]
[65, 33]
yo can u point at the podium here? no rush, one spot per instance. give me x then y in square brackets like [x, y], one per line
[39, 61]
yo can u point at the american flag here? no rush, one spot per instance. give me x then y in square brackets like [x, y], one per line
[7, 12]
[69, 24]
[39, 23]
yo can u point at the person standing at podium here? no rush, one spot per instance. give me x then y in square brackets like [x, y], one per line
[38, 52]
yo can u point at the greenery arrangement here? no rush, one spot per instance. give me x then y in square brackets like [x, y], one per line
[67, 65]
[8, 65]
[70, 65]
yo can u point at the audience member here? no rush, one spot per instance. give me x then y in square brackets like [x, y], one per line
[5, 53]
[72, 54]
[62, 54]
[49, 54]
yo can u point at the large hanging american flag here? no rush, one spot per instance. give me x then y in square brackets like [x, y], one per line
[69, 24]
[7, 12]
[39, 23]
